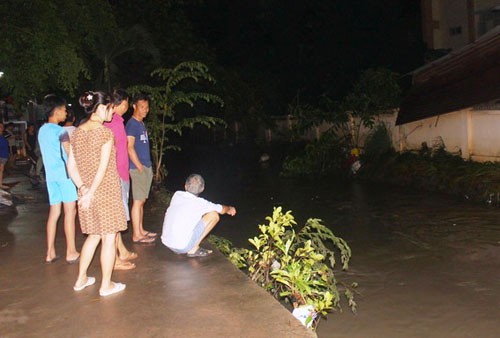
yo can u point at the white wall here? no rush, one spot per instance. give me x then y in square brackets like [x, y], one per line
[475, 134]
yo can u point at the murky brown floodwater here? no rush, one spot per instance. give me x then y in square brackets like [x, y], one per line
[427, 265]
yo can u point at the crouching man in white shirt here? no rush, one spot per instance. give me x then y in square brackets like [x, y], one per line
[189, 219]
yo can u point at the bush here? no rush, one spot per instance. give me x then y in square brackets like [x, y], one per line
[438, 170]
[322, 157]
[295, 267]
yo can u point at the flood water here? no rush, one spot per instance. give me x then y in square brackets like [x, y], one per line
[427, 265]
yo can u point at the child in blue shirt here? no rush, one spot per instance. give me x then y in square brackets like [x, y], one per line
[61, 190]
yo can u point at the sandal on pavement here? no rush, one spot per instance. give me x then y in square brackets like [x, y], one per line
[150, 234]
[73, 261]
[53, 260]
[145, 240]
[124, 266]
[200, 253]
[115, 289]
[90, 281]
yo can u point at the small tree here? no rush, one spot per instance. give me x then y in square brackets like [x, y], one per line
[166, 100]
[376, 92]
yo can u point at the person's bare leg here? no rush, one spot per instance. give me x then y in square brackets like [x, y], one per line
[54, 213]
[144, 232]
[123, 255]
[108, 253]
[136, 213]
[88, 251]
[210, 219]
[69, 230]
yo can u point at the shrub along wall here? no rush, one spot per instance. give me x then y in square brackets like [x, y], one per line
[437, 170]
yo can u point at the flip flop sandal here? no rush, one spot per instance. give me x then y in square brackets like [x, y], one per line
[118, 287]
[199, 253]
[145, 240]
[90, 281]
[208, 251]
[53, 260]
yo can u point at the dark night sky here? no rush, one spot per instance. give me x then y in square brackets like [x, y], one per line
[313, 46]
[286, 48]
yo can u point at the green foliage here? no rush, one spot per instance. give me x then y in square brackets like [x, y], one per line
[110, 46]
[434, 169]
[44, 43]
[321, 157]
[168, 104]
[376, 92]
[296, 267]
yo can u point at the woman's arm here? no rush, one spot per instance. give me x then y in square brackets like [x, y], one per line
[99, 176]
[73, 172]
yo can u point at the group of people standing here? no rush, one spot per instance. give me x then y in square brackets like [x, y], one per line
[93, 166]
[97, 164]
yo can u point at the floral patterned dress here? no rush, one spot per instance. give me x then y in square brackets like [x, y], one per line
[106, 214]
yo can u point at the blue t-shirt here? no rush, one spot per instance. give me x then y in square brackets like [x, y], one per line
[54, 156]
[4, 147]
[138, 130]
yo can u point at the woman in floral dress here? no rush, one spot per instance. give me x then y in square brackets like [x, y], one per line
[92, 167]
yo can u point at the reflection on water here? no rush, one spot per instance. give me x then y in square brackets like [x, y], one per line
[360, 212]
[427, 264]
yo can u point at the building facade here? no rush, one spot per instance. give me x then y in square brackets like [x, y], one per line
[452, 24]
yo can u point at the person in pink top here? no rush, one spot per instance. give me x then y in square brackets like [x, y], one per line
[120, 106]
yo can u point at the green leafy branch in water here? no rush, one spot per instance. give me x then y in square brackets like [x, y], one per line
[296, 267]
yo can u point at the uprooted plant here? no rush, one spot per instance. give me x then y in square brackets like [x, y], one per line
[295, 267]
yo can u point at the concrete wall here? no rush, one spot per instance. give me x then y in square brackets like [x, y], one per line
[474, 134]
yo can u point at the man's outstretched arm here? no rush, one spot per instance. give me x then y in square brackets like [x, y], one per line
[229, 210]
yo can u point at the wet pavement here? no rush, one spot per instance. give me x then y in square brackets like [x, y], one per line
[167, 295]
